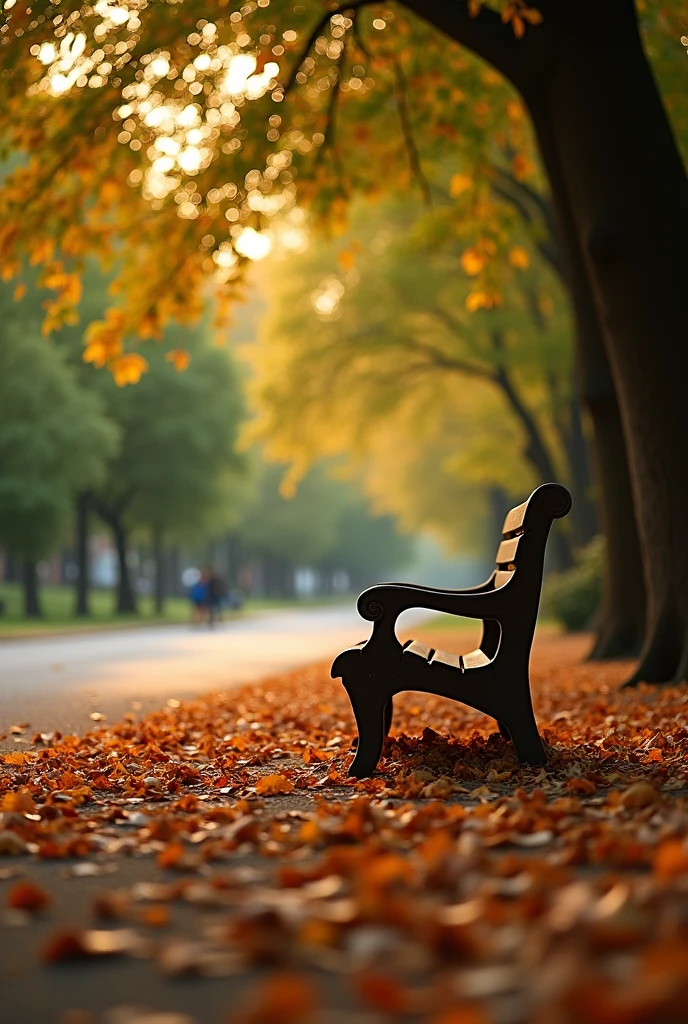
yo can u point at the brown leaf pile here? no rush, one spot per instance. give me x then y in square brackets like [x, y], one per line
[454, 887]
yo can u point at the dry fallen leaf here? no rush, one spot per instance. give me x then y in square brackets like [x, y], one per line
[272, 785]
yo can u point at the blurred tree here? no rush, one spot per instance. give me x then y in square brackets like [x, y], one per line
[322, 524]
[54, 441]
[177, 474]
[362, 323]
[286, 532]
[369, 548]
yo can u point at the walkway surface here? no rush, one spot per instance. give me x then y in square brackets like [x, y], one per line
[58, 682]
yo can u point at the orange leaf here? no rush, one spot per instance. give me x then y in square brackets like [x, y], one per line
[27, 895]
[128, 369]
[671, 859]
[287, 998]
[179, 358]
[381, 993]
[271, 785]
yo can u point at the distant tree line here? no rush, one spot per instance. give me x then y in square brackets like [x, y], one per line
[157, 468]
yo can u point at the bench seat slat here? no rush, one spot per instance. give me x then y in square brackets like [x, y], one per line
[475, 659]
[447, 658]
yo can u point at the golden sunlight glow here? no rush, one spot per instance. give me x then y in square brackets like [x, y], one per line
[326, 299]
[254, 245]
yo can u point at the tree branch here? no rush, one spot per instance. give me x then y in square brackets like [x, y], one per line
[407, 132]
[351, 7]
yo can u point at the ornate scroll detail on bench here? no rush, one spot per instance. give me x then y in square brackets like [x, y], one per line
[492, 679]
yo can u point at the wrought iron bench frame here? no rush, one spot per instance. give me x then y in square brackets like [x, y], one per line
[494, 678]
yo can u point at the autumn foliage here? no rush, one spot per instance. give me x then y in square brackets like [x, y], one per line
[451, 885]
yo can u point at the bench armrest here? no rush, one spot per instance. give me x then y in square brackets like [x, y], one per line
[389, 600]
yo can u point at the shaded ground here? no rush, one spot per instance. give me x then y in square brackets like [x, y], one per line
[213, 860]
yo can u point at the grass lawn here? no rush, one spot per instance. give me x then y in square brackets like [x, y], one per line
[58, 610]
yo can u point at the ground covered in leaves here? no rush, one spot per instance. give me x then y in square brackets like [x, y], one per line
[213, 862]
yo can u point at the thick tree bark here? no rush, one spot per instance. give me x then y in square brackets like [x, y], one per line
[159, 581]
[82, 577]
[629, 196]
[32, 603]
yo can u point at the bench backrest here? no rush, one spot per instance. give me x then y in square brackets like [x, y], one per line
[547, 502]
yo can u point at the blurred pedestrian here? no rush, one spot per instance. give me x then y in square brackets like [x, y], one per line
[199, 597]
[216, 595]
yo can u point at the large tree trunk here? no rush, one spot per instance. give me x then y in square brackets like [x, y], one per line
[159, 560]
[82, 576]
[622, 619]
[32, 603]
[629, 196]
[621, 622]
[591, 92]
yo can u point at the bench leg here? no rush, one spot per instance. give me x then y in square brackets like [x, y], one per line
[503, 730]
[523, 731]
[369, 712]
[387, 717]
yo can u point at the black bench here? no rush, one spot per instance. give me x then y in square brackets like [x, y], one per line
[492, 679]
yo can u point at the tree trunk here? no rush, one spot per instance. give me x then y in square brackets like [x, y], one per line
[622, 616]
[82, 577]
[605, 135]
[629, 197]
[126, 596]
[159, 560]
[584, 523]
[32, 603]
[537, 453]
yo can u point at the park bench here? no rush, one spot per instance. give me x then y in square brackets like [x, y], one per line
[492, 679]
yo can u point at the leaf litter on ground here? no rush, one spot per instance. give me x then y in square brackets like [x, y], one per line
[455, 886]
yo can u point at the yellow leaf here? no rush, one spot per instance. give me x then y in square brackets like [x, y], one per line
[483, 300]
[346, 259]
[519, 258]
[19, 292]
[271, 785]
[458, 184]
[128, 369]
[179, 358]
[104, 338]
[41, 251]
[473, 261]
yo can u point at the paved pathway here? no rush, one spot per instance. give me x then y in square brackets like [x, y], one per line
[57, 682]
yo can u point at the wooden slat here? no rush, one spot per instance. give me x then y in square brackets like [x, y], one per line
[502, 577]
[476, 659]
[421, 650]
[514, 519]
[446, 658]
[506, 552]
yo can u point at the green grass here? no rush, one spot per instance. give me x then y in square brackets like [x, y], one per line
[58, 610]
